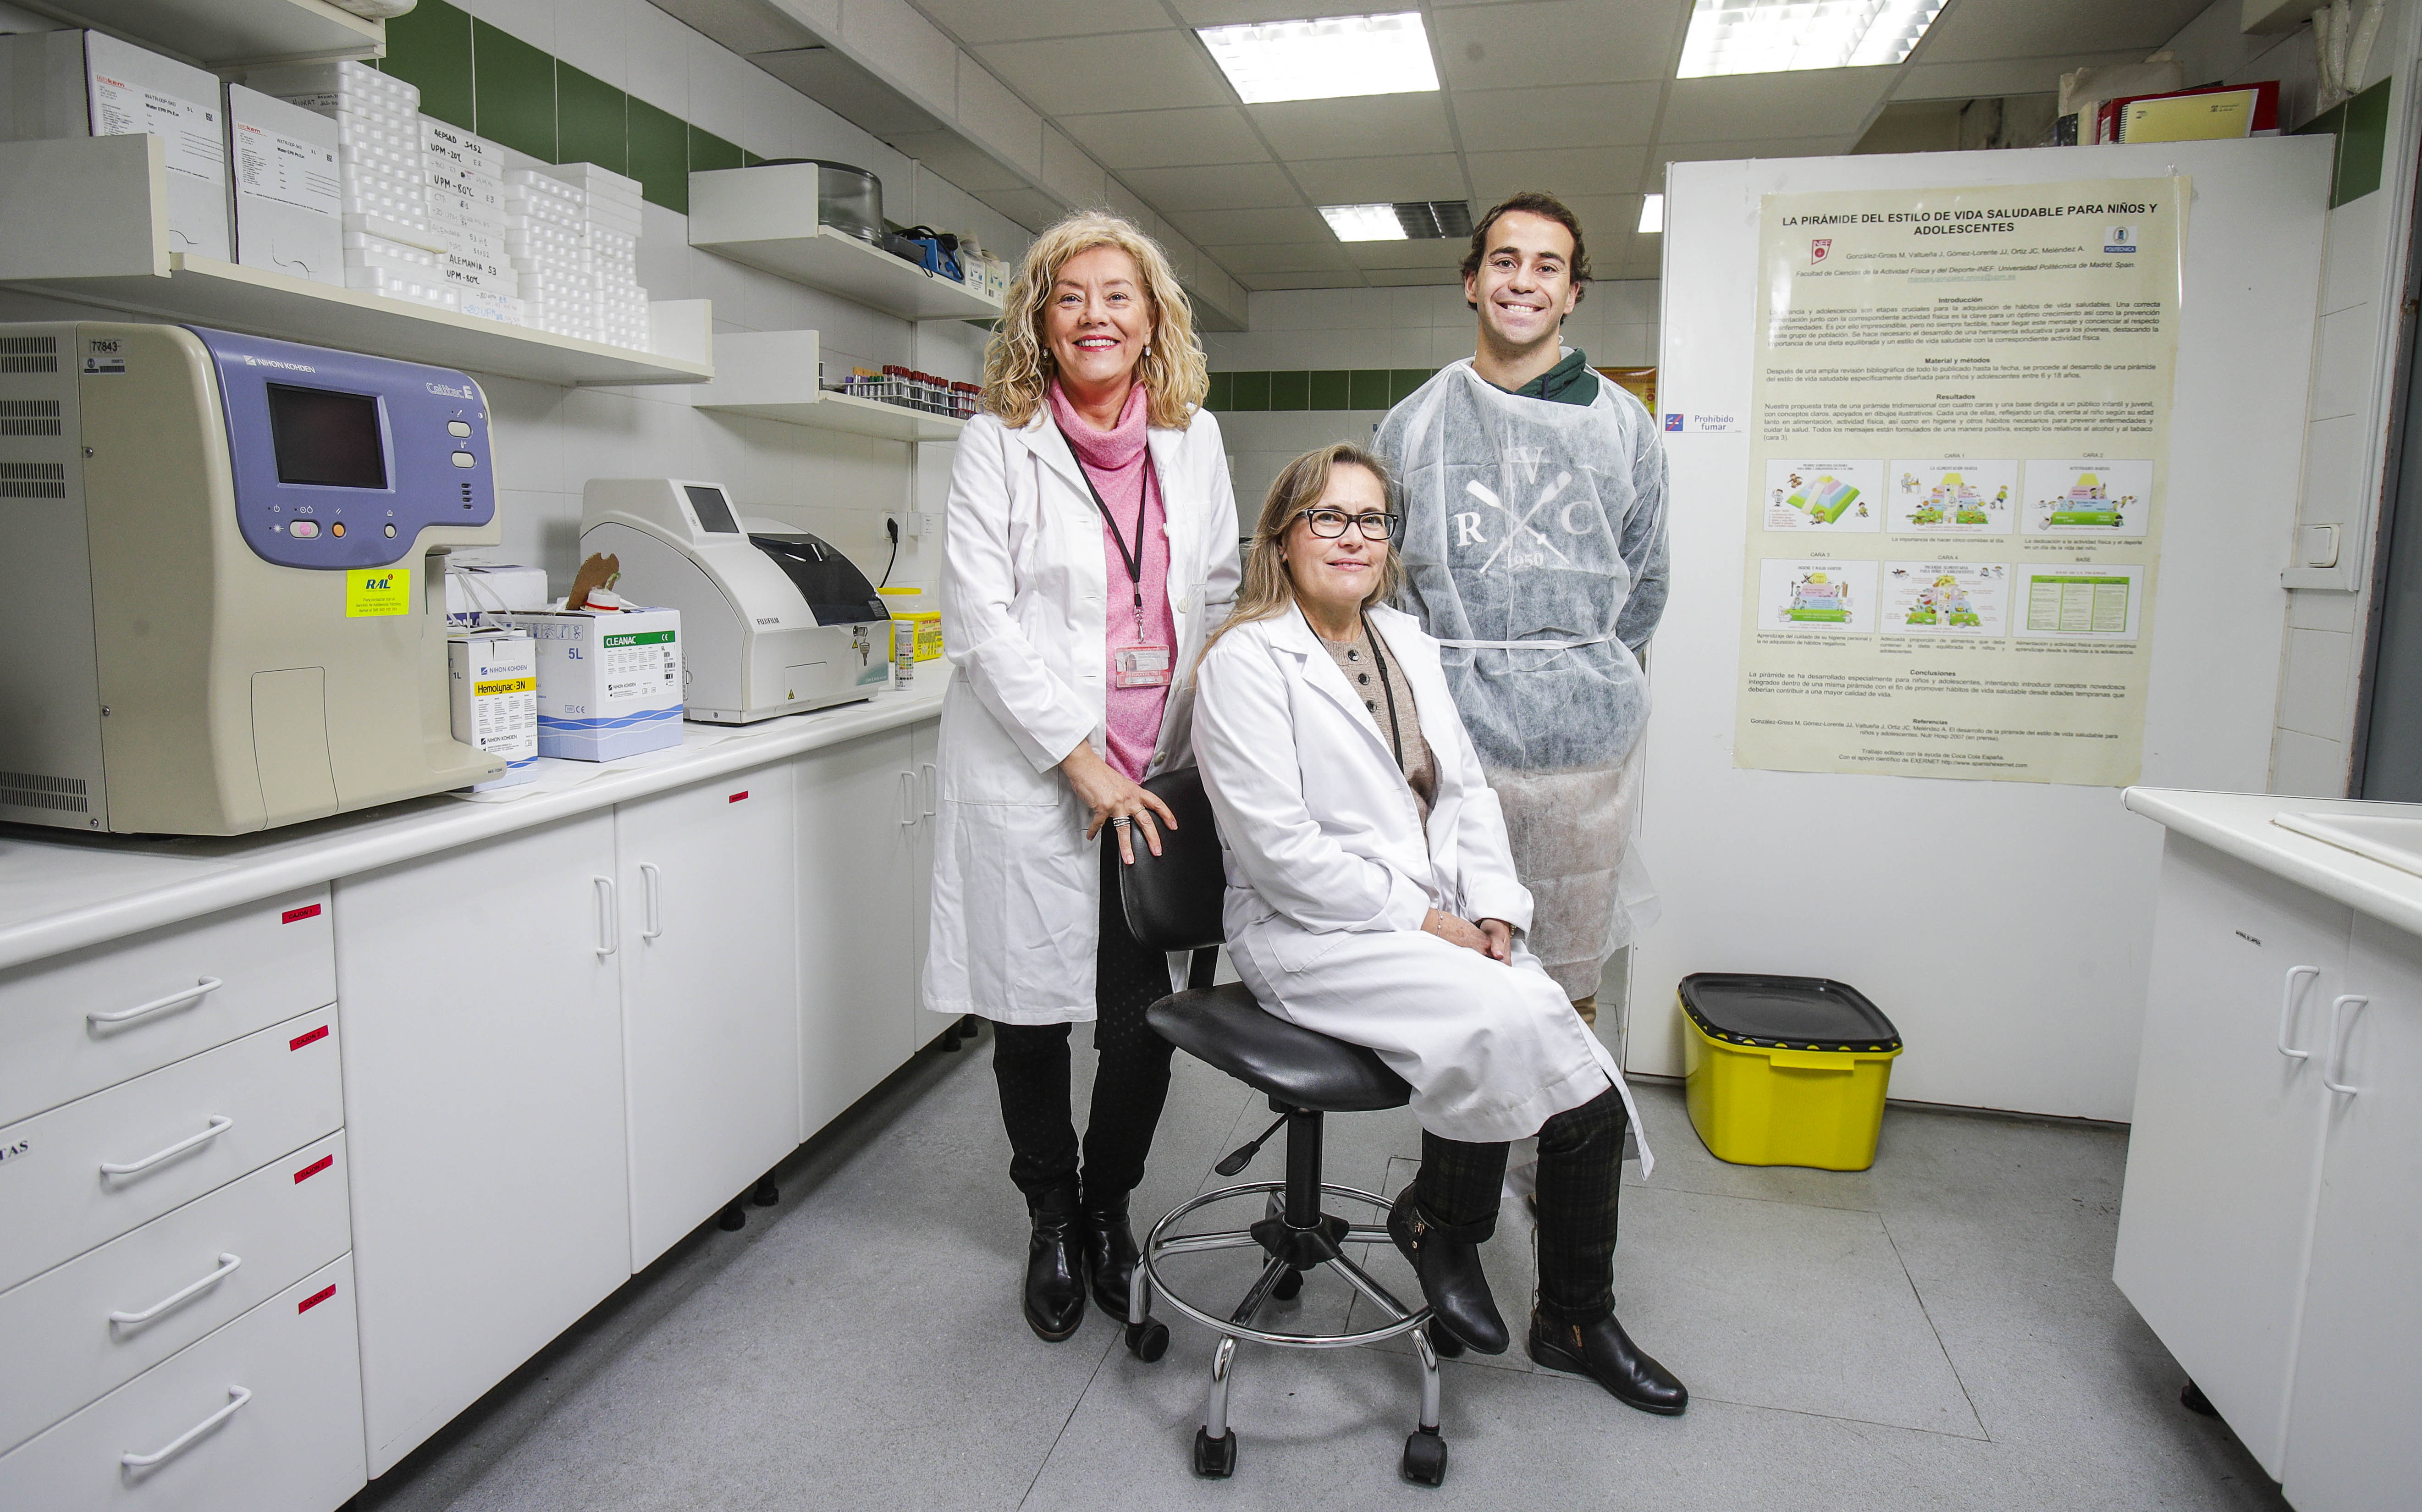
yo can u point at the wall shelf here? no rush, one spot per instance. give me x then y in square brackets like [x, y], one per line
[772, 375]
[737, 214]
[222, 34]
[93, 229]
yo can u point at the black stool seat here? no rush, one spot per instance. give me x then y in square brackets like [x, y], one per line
[1225, 1027]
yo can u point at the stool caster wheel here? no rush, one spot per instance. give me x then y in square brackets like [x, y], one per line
[734, 1219]
[1288, 1286]
[1148, 1340]
[766, 1194]
[1424, 1457]
[2194, 1400]
[1215, 1459]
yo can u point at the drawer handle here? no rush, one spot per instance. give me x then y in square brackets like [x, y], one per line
[930, 778]
[227, 1264]
[609, 923]
[2288, 996]
[237, 1397]
[219, 1125]
[2340, 1022]
[158, 1005]
[655, 881]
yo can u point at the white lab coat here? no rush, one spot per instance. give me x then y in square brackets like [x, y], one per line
[1025, 590]
[1331, 873]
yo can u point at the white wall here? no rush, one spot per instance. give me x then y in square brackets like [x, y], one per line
[1422, 327]
[2354, 371]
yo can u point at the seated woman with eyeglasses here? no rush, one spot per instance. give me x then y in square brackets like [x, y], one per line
[1370, 897]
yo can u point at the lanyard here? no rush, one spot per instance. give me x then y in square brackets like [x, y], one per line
[1132, 560]
[1387, 691]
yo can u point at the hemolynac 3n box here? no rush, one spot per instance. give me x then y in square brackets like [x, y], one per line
[609, 682]
[493, 681]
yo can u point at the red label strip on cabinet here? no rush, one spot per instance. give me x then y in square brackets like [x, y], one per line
[315, 1168]
[737, 797]
[309, 910]
[310, 1037]
[316, 1297]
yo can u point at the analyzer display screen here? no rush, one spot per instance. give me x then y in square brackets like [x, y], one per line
[326, 438]
[714, 513]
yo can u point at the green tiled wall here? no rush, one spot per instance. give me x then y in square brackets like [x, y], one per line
[2361, 127]
[490, 82]
[1317, 388]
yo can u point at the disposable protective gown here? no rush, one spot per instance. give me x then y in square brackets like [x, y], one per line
[1534, 552]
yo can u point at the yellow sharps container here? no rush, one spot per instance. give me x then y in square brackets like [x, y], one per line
[1786, 1070]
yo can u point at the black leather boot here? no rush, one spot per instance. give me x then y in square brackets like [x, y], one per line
[1110, 1253]
[1604, 1353]
[1446, 1257]
[1055, 1275]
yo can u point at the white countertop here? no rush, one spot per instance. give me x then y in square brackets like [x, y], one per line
[2239, 824]
[60, 890]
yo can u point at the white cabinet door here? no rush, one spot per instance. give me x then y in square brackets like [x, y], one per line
[710, 997]
[483, 1054]
[2352, 1444]
[924, 741]
[2218, 1203]
[858, 809]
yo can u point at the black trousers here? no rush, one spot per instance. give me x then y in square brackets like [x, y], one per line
[1130, 1080]
[1581, 1177]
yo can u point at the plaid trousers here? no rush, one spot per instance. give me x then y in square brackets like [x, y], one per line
[1581, 1178]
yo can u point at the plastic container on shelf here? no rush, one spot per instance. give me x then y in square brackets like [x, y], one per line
[1785, 1070]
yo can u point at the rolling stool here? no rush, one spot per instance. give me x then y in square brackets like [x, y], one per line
[1174, 902]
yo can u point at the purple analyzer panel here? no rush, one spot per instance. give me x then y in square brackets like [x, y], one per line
[340, 460]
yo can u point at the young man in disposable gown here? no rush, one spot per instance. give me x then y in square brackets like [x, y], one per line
[1534, 552]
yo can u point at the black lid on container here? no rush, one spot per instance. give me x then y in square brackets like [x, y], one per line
[1785, 1012]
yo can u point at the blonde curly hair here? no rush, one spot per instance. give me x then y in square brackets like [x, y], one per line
[1018, 363]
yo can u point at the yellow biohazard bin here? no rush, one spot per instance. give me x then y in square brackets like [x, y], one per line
[1785, 1070]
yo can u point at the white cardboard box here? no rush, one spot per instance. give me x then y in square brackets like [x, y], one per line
[478, 587]
[55, 84]
[283, 162]
[610, 684]
[493, 677]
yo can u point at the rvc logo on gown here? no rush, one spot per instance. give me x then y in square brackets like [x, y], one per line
[1510, 535]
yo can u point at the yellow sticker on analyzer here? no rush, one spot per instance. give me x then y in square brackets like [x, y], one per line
[372, 592]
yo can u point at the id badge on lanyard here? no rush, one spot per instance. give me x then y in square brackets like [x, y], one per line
[1144, 664]
[1141, 666]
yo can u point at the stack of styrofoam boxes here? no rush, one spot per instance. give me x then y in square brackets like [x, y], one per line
[468, 218]
[612, 206]
[547, 225]
[388, 246]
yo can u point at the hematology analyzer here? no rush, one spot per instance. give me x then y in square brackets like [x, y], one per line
[774, 621]
[223, 587]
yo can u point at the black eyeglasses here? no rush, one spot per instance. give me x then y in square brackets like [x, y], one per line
[1330, 524]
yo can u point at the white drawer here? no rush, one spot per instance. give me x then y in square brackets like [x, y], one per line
[80, 1330]
[69, 1025]
[293, 1446]
[232, 1110]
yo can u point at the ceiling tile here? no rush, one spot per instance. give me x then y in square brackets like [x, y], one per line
[1281, 257]
[1235, 186]
[958, 160]
[1557, 42]
[1571, 114]
[1971, 31]
[996, 117]
[1581, 170]
[1259, 281]
[1168, 138]
[2006, 76]
[1030, 208]
[1231, 12]
[1368, 180]
[1247, 227]
[1068, 172]
[989, 21]
[1124, 71]
[1749, 106]
[1664, 152]
[1359, 127]
[1444, 252]
[1407, 277]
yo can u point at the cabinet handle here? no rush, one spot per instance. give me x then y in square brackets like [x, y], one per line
[219, 1125]
[908, 799]
[237, 1397]
[176, 999]
[2341, 1023]
[609, 928]
[655, 880]
[929, 778]
[2287, 1010]
[227, 1264]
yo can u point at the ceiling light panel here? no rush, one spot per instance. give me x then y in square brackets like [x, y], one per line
[1324, 58]
[1403, 220]
[1773, 35]
[1364, 223]
[1652, 216]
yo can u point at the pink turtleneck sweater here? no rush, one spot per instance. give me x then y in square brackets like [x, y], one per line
[1120, 466]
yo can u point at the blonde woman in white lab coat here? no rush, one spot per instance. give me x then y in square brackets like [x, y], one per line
[1371, 897]
[1091, 539]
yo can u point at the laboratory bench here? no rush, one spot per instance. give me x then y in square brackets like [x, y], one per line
[2272, 1210]
[309, 1137]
